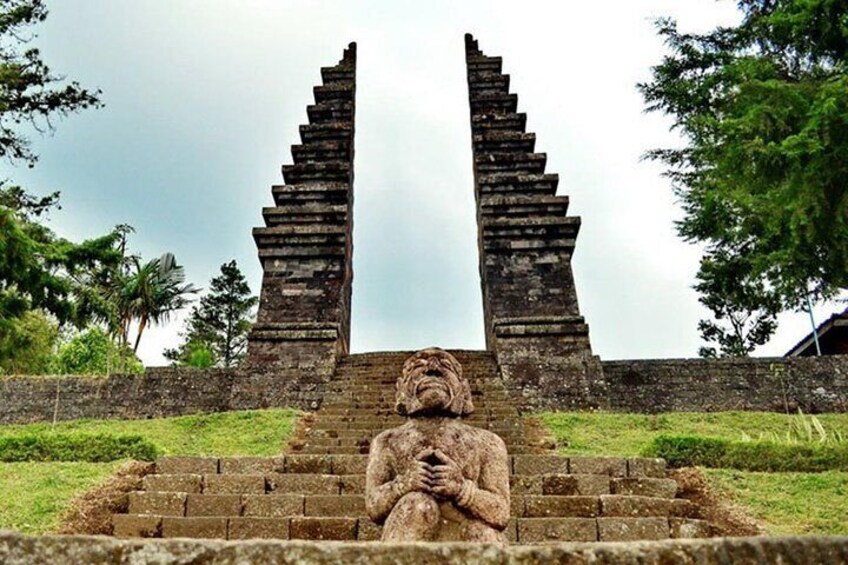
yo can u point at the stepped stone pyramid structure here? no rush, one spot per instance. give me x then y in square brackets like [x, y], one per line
[537, 343]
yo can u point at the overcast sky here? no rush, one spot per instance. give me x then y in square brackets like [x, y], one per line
[203, 100]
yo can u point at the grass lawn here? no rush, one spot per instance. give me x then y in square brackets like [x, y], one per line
[788, 503]
[35, 494]
[609, 433]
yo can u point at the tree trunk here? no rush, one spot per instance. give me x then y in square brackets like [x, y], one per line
[141, 325]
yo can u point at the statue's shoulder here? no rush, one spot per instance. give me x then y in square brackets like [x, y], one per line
[386, 437]
[492, 440]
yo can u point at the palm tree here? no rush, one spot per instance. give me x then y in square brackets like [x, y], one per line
[150, 292]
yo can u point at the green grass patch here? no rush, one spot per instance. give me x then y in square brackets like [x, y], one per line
[92, 448]
[789, 503]
[250, 432]
[35, 494]
[612, 433]
[693, 451]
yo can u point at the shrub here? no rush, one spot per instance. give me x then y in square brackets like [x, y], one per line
[92, 448]
[688, 451]
[93, 352]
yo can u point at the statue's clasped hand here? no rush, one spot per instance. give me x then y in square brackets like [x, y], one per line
[447, 478]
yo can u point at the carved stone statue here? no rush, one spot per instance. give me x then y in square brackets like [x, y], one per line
[435, 478]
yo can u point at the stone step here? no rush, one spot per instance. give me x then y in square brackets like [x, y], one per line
[527, 163]
[321, 151]
[337, 74]
[505, 141]
[334, 91]
[483, 63]
[324, 113]
[505, 206]
[488, 81]
[325, 171]
[297, 194]
[519, 531]
[493, 102]
[325, 132]
[517, 184]
[308, 213]
[493, 121]
[629, 474]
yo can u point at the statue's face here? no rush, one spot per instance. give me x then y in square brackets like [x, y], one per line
[432, 383]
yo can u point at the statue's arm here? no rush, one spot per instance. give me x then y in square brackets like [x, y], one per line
[488, 500]
[381, 493]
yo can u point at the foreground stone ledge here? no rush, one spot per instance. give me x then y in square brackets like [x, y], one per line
[16, 549]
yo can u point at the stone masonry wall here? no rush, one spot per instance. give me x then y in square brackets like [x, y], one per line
[641, 386]
[813, 384]
[16, 548]
[157, 393]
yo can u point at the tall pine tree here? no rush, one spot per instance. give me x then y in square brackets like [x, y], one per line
[216, 331]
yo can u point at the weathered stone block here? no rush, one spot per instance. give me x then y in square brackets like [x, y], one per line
[173, 483]
[516, 505]
[296, 483]
[273, 505]
[308, 463]
[689, 528]
[340, 529]
[258, 528]
[368, 530]
[536, 530]
[349, 464]
[233, 484]
[157, 503]
[187, 465]
[352, 484]
[335, 505]
[634, 506]
[213, 505]
[525, 484]
[682, 508]
[646, 467]
[539, 464]
[660, 488]
[561, 506]
[585, 485]
[612, 466]
[252, 465]
[632, 529]
[211, 528]
[135, 526]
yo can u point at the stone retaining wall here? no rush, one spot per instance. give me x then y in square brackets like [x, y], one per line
[646, 386]
[813, 384]
[16, 549]
[158, 392]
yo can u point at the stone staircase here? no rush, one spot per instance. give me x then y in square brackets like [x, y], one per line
[315, 491]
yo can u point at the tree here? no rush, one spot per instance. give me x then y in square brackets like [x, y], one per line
[220, 323]
[29, 92]
[150, 294]
[39, 270]
[28, 345]
[93, 352]
[763, 111]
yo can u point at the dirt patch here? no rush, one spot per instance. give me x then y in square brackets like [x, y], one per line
[726, 518]
[538, 435]
[300, 434]
[91, 512]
